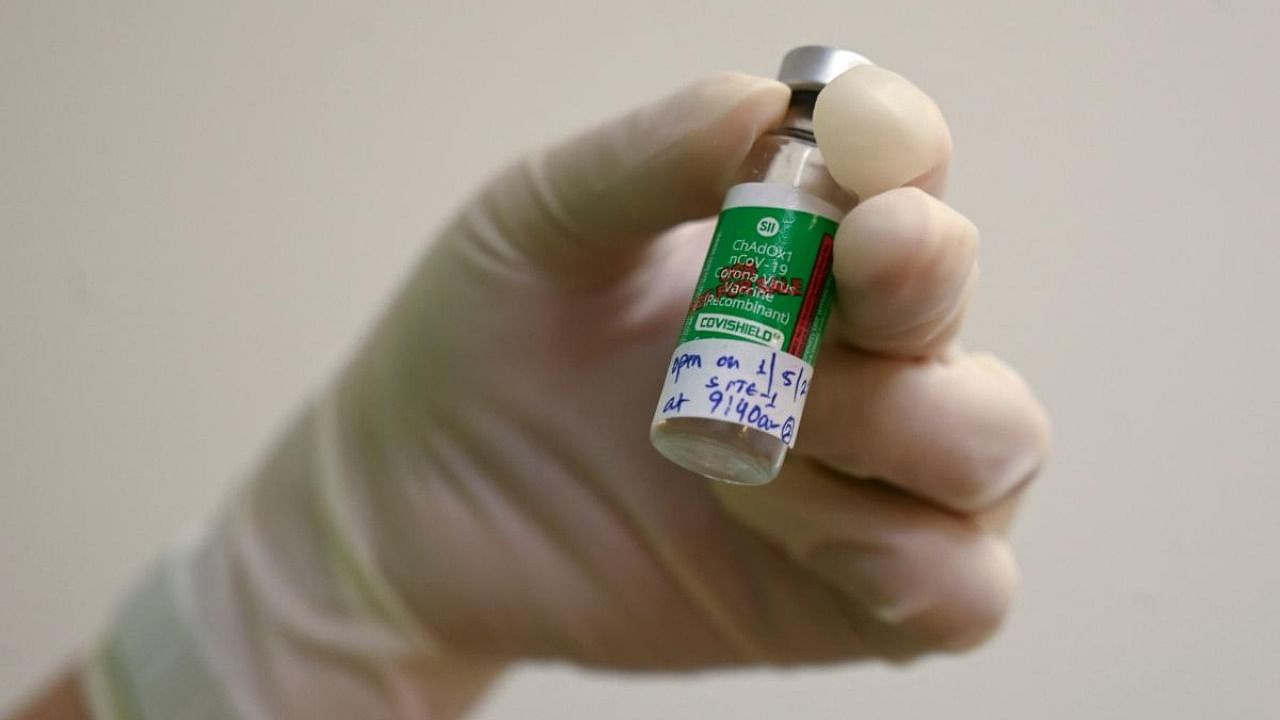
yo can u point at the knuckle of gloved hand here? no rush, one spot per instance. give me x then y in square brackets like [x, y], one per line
[962, 593]
[909, 253]
[937, 259]
[1000, 450]
[971, 617]
[940, 583]
[877, 241]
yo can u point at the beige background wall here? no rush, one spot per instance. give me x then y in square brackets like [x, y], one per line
[202, 204]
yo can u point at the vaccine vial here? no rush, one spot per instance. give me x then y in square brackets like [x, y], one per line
[736, 385]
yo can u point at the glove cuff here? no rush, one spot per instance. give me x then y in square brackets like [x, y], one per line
[279, 609]
[151, 662]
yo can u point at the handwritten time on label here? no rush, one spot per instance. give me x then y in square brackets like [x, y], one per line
[741, 382]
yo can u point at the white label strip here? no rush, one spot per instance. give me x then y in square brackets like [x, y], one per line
[740, 382]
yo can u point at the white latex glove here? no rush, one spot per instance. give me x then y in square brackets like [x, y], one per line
[478, 487]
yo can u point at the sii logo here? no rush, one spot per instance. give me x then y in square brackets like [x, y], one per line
[768, 227]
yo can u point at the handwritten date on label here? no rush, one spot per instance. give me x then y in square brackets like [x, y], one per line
[741, 382]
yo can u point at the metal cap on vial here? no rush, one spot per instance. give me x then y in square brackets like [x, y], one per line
[813, 66]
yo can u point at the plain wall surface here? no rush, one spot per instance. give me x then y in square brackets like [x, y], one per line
[202, 205]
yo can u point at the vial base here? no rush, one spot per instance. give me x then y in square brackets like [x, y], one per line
[720, 450]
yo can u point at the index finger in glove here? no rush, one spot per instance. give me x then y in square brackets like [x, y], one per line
[903, 260]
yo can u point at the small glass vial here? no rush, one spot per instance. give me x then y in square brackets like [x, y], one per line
[736, 385]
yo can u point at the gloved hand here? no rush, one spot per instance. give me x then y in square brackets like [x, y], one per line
[478, 486]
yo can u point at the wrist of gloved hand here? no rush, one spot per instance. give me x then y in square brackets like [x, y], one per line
[280, 608]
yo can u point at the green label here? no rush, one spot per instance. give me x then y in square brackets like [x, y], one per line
[766, 280]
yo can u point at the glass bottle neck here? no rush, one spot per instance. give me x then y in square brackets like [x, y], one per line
[798, 122]
[788, 155]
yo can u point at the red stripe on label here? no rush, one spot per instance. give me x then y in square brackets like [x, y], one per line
[812, 297]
